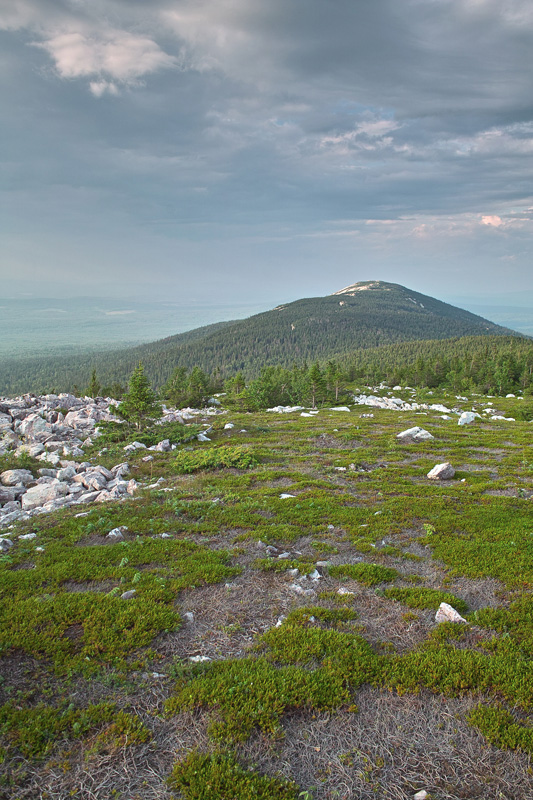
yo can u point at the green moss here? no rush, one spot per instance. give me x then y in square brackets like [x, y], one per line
[220, 777]
[368, 574]
[424, 598]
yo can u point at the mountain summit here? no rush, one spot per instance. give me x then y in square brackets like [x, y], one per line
[362, 315]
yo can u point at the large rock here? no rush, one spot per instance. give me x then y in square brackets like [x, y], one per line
[93, 481]
[467, 417]
[15, 477]
[441, 472]
[34, 424]
[39, 495]
[5, 422]
[414, 435]
[8, 494]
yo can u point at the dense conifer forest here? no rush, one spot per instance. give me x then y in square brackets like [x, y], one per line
[379, 328]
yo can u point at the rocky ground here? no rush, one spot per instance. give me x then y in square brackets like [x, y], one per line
[276, 594]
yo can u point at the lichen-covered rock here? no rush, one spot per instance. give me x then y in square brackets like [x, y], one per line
[15, 477]
[43, 493]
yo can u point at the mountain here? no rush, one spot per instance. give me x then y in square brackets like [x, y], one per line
[364, 315]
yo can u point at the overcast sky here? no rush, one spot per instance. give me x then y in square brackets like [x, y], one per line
[275, 149]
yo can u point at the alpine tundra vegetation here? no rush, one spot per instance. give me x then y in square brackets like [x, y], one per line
[253, 612]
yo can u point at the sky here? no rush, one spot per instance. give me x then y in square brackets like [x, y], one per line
[242, 150]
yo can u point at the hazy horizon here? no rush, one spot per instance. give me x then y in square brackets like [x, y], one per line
[66, 326]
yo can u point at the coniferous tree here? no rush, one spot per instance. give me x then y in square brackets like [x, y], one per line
[94, 387]
[139, 404]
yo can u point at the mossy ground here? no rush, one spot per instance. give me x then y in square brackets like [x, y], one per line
[351, 694]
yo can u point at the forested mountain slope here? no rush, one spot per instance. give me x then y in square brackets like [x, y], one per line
[365, 315]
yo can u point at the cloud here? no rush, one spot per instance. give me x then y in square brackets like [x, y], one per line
[493, 220]
[114, 54]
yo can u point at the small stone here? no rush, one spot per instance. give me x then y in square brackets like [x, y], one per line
[28, 536]
[5, 544]
[297, 589]
[441, 472]
[147, 458]
[343, 591]
[128, 595]
[188, 617]
[39, 549]
[421, 795]
[447, 613]
[117, 533]
[284, 555]
[285, 496]
[199, 659]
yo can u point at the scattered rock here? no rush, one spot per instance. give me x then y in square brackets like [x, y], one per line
[447, 613]
[128, 595]
[16, 477]
[117, 533]
[467, 417]
[414, 435]
[41, 494]
[5, 545]
[441, 472]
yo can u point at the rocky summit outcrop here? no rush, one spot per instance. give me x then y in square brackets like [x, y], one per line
[55, 429]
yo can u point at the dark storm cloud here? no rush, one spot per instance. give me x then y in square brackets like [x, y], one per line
[248, 122]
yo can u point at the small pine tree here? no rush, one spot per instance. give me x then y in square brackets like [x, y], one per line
[93, 389]
[139, 404]
[317, 384]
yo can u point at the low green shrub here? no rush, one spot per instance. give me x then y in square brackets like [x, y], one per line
[220, 777]
[424, 598]
[368, 574]
[34, 731]
[498, 726]
[283, 564]
[251, 692]
[221, 457]
[124, 731]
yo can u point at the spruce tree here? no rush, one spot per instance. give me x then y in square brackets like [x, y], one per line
[139, 404]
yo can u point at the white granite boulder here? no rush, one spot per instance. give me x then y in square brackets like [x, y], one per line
[441, 472]
[447, 613]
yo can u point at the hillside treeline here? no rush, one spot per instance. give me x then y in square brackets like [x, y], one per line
[304, 331]
[489, 364]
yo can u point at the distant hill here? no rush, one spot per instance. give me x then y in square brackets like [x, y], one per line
[364, 315]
